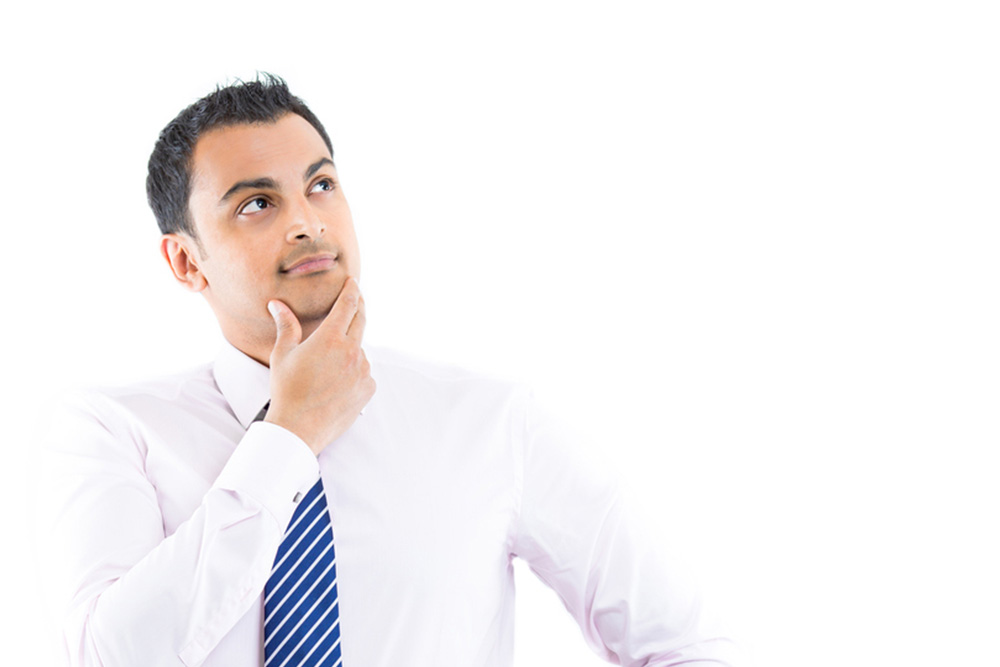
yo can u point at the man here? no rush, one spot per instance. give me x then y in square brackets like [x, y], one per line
[274, 507]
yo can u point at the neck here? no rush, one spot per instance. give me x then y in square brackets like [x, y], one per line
[258, 347]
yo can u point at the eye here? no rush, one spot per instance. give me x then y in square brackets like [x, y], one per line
[254, 205]
[325, 185]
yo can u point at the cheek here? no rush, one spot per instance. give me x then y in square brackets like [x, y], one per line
[342, 227]
[255, 272]
[242, 271]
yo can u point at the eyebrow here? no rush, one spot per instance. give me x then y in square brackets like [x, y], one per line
[255, 184]
[315, 166]
[269, 183]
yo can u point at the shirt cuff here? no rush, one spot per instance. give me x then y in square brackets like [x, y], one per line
[273, 466]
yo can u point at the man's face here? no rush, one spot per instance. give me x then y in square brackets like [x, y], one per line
[272, 223]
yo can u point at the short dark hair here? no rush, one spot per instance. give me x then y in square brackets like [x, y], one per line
[168, 183]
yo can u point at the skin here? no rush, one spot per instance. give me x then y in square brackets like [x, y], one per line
[277, 260]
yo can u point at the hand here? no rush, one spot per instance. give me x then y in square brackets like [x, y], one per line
[319, 386]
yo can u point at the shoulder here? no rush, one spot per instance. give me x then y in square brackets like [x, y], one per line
[422, 382]
[130, 406]
[397, 366]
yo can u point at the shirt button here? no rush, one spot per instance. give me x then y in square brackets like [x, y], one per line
[297, 498]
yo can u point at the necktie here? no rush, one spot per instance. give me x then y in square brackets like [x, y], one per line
[301, 613]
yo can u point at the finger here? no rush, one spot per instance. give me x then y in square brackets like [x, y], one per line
[344, 308]
[289, 331]
[357, 327]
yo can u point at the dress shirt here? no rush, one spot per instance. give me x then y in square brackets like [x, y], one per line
[164, 505]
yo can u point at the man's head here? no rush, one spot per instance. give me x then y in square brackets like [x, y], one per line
[244, 188]
[168, 182]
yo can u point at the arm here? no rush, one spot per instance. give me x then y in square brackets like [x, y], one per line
[125, 593]
[130, 595]
[576, 535]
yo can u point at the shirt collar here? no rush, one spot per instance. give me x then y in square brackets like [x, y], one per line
[244, 382]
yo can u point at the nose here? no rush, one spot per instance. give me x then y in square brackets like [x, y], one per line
[303, 223]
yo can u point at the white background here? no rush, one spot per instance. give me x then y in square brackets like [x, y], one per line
[750, 246]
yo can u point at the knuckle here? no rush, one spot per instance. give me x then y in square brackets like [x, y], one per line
[352, 355]
[350, 297]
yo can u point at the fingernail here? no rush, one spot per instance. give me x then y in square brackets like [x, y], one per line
[272, 308]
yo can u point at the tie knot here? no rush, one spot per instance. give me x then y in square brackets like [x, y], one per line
[263, 412]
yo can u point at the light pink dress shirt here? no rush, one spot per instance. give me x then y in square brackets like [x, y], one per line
[164, 506]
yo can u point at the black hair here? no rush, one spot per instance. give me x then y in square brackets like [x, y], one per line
[168, 183]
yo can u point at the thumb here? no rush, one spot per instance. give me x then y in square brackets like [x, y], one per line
[289, 330]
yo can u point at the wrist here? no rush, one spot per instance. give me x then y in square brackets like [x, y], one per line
[308, 438]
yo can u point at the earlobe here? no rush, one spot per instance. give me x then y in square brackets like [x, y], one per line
[183, 260]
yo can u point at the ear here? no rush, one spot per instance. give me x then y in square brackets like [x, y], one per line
[181, 253]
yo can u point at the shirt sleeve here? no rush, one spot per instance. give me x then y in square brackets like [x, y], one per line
[126, 593]
[576, 535]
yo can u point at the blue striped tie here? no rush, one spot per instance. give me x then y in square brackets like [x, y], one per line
[301, 613]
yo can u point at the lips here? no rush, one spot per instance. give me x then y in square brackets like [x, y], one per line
[312, 264]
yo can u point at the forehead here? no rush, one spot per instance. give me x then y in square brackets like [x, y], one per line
[280, 150]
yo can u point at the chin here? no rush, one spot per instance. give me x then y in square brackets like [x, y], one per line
[314, 304]
[313, 310]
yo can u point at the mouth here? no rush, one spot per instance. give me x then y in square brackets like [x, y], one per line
[312, 264]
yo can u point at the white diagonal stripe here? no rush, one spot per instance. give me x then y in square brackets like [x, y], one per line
[304, 532]
[295, 585]
[306, 636]
[275, 587]
[301, 537]
[291, 526]
[292, 611]
[320, 641]
[274, 631]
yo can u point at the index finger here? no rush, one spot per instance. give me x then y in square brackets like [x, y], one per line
[357, 327]
[344, 308]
